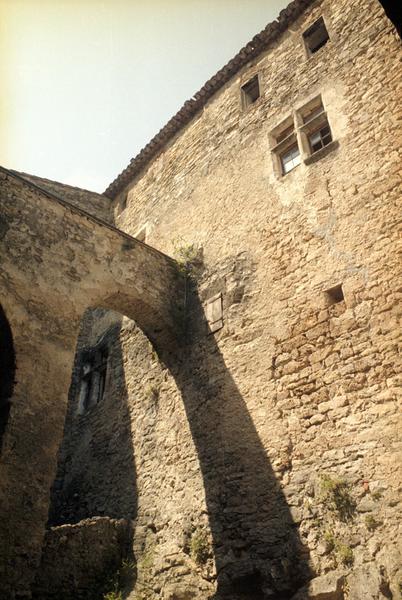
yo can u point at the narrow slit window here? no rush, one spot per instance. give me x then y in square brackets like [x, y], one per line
[316, 36]
[290, 159]
[250, 91]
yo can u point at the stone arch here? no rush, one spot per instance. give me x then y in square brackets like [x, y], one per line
[161, 324]
[217, 417]
[7, 371]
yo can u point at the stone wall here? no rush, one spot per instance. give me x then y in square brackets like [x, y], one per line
[55, 263]
[262, 459]
[292, 404]
[82, 561]
[95, 204]
[96, 474]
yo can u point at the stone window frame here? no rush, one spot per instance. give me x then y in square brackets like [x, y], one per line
[94, 371]
[309, 29]
[296, 130]
[245, 103]
[93, 380]
[283, 138]
[310, 118]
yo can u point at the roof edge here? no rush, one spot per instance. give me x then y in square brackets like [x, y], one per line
[59, 183]
[193, 106]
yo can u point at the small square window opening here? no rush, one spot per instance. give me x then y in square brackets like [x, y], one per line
[335, 295]
[250, 91]
[320, 138]
[290, 159]
[316, 36]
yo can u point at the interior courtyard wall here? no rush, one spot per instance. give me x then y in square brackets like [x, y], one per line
[319, 382]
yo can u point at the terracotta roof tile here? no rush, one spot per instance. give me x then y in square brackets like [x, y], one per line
[195, 104]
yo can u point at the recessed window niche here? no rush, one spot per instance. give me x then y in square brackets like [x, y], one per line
[334, 295]
[250, 91]
[316, 36]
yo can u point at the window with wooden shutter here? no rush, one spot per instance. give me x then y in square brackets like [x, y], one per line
[214, 313]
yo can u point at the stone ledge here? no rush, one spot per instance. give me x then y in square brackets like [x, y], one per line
[331, 147]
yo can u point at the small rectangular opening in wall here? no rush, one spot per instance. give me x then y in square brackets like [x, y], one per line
[316, 36]
[250, 91]
[334, 295]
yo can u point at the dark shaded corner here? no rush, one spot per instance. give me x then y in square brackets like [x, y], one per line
[258, 551]
[7, 372]
[88, 544]
[393, 10]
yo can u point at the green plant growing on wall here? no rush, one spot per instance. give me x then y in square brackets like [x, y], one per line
[377, 495]
[199, 547]
[119, 580]
[335, 495]
[152, 393]
[372, 523]
[127, 570]
[344, 554]
[147, 559]
[186, 255]
[329, 541]
[113, 595]
[341, 551]
[112, 588]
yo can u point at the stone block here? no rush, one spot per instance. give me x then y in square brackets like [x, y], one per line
[366, 583]
[325, 587]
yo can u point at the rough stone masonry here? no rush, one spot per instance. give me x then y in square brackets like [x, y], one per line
[231, 429]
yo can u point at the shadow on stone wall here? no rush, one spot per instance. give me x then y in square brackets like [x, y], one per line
[96, 473]
[257, 549]
[96, 478]
[7, 372]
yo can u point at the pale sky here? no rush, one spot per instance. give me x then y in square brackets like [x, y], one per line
[85, 84]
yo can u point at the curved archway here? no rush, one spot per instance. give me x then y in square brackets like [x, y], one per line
[7, 371]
